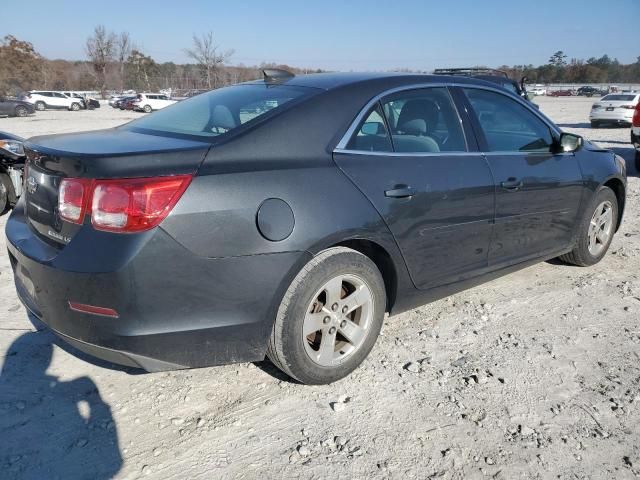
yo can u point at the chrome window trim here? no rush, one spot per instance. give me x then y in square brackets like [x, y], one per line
[341, 147]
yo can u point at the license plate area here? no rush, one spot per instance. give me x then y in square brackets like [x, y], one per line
[610, 109]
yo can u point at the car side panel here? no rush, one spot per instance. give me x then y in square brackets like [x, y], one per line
[216, 217]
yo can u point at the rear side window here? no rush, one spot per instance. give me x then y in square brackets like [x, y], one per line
[424, 121]
[222, 110]
[619, 98]
[507, 125]
[372, 134]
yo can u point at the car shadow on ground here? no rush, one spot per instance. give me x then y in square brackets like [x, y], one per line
[52, 428]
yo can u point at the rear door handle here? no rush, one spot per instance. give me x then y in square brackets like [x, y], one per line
[401, 191]
[512, 184]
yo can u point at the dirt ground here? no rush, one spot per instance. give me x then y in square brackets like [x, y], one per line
[534, 375]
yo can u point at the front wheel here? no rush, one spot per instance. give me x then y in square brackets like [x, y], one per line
[21, 111]
[75, 107]
[147, 109]
[329, 318]
[40, 106]
[596, 230]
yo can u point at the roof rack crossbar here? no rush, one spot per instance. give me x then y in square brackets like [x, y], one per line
[470, 71]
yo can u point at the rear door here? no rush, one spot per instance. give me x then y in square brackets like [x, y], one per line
[538, 190]
[409, 155]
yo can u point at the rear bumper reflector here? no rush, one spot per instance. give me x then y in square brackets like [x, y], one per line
[93, 310]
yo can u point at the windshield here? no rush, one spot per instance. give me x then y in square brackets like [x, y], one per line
[220, 111]
[620, 98]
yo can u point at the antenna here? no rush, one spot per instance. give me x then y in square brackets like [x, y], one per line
[276, 75]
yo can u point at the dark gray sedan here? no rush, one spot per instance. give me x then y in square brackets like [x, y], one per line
[15, 108]
[284, 217]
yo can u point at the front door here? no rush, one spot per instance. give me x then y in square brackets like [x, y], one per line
[410, 157]
[538, 189]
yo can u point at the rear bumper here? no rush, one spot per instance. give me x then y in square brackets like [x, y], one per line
[619, 117]
[176, 309]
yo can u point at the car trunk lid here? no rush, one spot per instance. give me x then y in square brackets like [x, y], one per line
[106, 154]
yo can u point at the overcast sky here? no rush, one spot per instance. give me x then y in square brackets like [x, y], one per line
[341, 35]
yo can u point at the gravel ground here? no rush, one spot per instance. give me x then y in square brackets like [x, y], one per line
[534, 375]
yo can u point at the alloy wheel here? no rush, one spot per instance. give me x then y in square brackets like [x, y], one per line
[338, 320]
[600, 228]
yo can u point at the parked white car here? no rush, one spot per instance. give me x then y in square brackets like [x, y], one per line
[42, 100]
[615, 108]
[147, 102]
[538, 91]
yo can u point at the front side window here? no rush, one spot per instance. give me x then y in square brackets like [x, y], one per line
[424, 121]
[372, 134]
[507, 125]
[222, 110]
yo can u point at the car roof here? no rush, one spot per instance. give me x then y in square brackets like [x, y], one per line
[329, 81]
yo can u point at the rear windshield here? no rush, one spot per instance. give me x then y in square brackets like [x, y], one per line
[220, 111]
[621, 98]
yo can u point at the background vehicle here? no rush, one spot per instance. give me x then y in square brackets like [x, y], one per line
[538, 91]
[489, 75]
[615, 108]
[591, 92]
[15, 108]
[92, 102]
[147, 102]
[635, 134]
[560, 93]
[293, 230]
[11, 170]
[42, 100]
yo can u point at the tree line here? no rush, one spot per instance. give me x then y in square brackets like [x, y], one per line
[114, 63]
[558, 69]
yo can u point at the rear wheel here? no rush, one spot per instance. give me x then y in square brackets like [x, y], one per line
[40, 106]
[596, 230]
[5, 184]
[147, 108]
[21, 111]
[75, 106]
[329, 318]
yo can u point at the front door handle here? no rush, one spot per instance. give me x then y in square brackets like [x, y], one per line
[512, 184]
[400, 191]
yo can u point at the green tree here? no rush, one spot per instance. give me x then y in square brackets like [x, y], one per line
[558, 59]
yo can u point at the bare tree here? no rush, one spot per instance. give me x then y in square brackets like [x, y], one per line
[123, 50]
[100, 50]
[208, 56]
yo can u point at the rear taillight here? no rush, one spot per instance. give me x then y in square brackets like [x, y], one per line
[72, 200]
[122, 205]
[628, 107]
[636, 116]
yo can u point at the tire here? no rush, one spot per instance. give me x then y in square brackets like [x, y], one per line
[357, 279]
[147, 109]
[75, 107]
[40, 106]
[20, 111]
[5, 185]
[582, 255]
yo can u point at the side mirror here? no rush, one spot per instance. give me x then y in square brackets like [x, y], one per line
[569, 142]
[372, 128]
